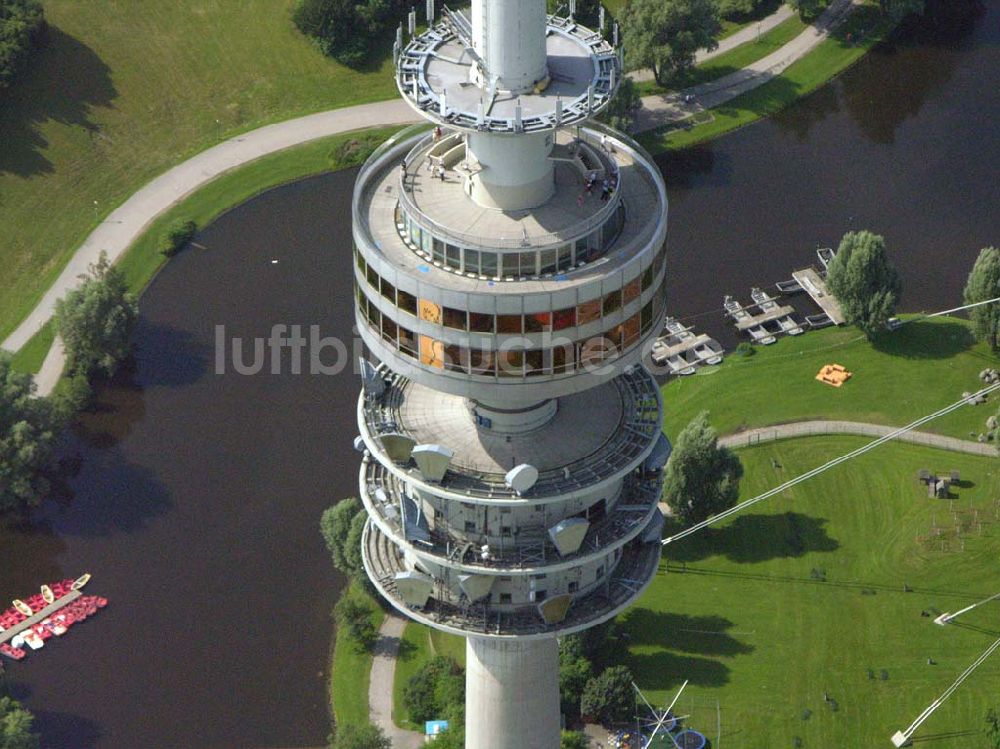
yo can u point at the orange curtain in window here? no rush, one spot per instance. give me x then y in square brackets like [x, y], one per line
[431, 352]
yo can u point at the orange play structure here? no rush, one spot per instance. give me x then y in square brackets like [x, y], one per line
[833, 374]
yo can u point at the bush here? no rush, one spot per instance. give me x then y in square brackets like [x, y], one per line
[436, 691]
[365, 736]
[22, 28]
[745, 348]
[178, 236]
[15, 726]
[355, 616]
[574, 740]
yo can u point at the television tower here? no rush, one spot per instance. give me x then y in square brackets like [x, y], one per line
[509, 268]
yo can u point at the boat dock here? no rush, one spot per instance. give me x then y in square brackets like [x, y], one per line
[815, 287]
[662, 351]
[59, 603]
[753, 321]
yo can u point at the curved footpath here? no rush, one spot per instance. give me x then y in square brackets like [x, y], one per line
[760, 435]
[383, 674]
[127, 222]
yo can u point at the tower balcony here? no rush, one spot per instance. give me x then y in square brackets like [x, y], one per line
[594, 439]
[386, 567]
[529, 550]
[436, 75]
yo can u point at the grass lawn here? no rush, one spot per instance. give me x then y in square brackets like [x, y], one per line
[830, 58]
[420, 643]
[127, 89]
[761, 638]
[143, 258]
[734, 60]
[911, 372]
[350, 669]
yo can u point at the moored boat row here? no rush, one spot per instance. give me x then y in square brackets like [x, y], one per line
[60, 606]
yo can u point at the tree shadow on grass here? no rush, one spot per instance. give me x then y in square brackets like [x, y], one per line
[756, 538]
[701, 635]
[926, 340]
[62, 83]
[666, 670]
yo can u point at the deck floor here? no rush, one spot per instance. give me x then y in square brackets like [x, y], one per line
[59, 603]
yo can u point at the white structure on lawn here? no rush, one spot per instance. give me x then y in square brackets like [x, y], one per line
[509, 273]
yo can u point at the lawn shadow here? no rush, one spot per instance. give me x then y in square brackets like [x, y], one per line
[926, 340]
[665, 670]
[701, 635]
[756, 538]
[61, 83]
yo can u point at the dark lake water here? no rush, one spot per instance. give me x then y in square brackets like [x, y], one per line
[196, 496]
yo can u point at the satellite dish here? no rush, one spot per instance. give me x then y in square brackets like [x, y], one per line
[521, 478]
[359, 444]
[432, 460]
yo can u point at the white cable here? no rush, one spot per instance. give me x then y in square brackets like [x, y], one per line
[828, 465]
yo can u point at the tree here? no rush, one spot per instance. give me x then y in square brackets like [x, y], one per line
[575, 670]
[574, 740]
[738, 8]
[177, 237]
[983, 284]
[355, 616]
[621, 111]
[993, 728]
[337, 525]
[96, 320]
[809, 8]
[28, 428]
[22, 28]
[365, 736]
[663, 35]
[15, 726]
[864, 281]
[701, 479]
[346, 30]
[609, 697]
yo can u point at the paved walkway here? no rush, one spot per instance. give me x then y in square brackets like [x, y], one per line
[809, 428]
[380, 687]
[124, 225]
[748, 34]
[667, 109]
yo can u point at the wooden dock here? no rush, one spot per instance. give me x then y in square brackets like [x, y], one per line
[664, 352]
[754, 320]
[59, 603]
[815, 287]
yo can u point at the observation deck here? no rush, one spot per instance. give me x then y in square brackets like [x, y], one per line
[434, 75]
[595, 437]
[629, 577]
[531, 550]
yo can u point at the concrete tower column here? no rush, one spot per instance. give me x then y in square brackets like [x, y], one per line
[511, 694]
[509, 36]
[512, 174]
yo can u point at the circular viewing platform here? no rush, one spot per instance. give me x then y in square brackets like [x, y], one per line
[634, 570]
[433, 74]
[614, 427]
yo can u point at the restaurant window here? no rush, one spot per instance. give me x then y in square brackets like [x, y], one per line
[564, 318]
[480, 323]
[472, 261]
[548, 261]
[537, 322]
[454, 358]
[372, 277]
[388, 291]
[534, 362]
[646, 316]
[481, 362]
[612, 302]
[509, 324]
[510, 363]
[647, 278]
[631, 291]
[406, 301]
[529, 263]
[488, 264]
[509, 264]
[505, 598]
[361, 260]
[454, 257]
[454, 318]
[388, 329]
[407, 341]
[588, 312]
[631, 333]
[565, 257]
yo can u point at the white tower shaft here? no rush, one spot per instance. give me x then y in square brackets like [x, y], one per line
[509, 36]
[511, 694]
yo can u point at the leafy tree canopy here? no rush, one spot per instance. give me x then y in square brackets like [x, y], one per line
[663, 35]
[15, 726]
[22, 27]
[864, 281]
[609, 697]
[28, 427]
[96, 319]
[983, 284]
[701, 479]
[367, 736]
